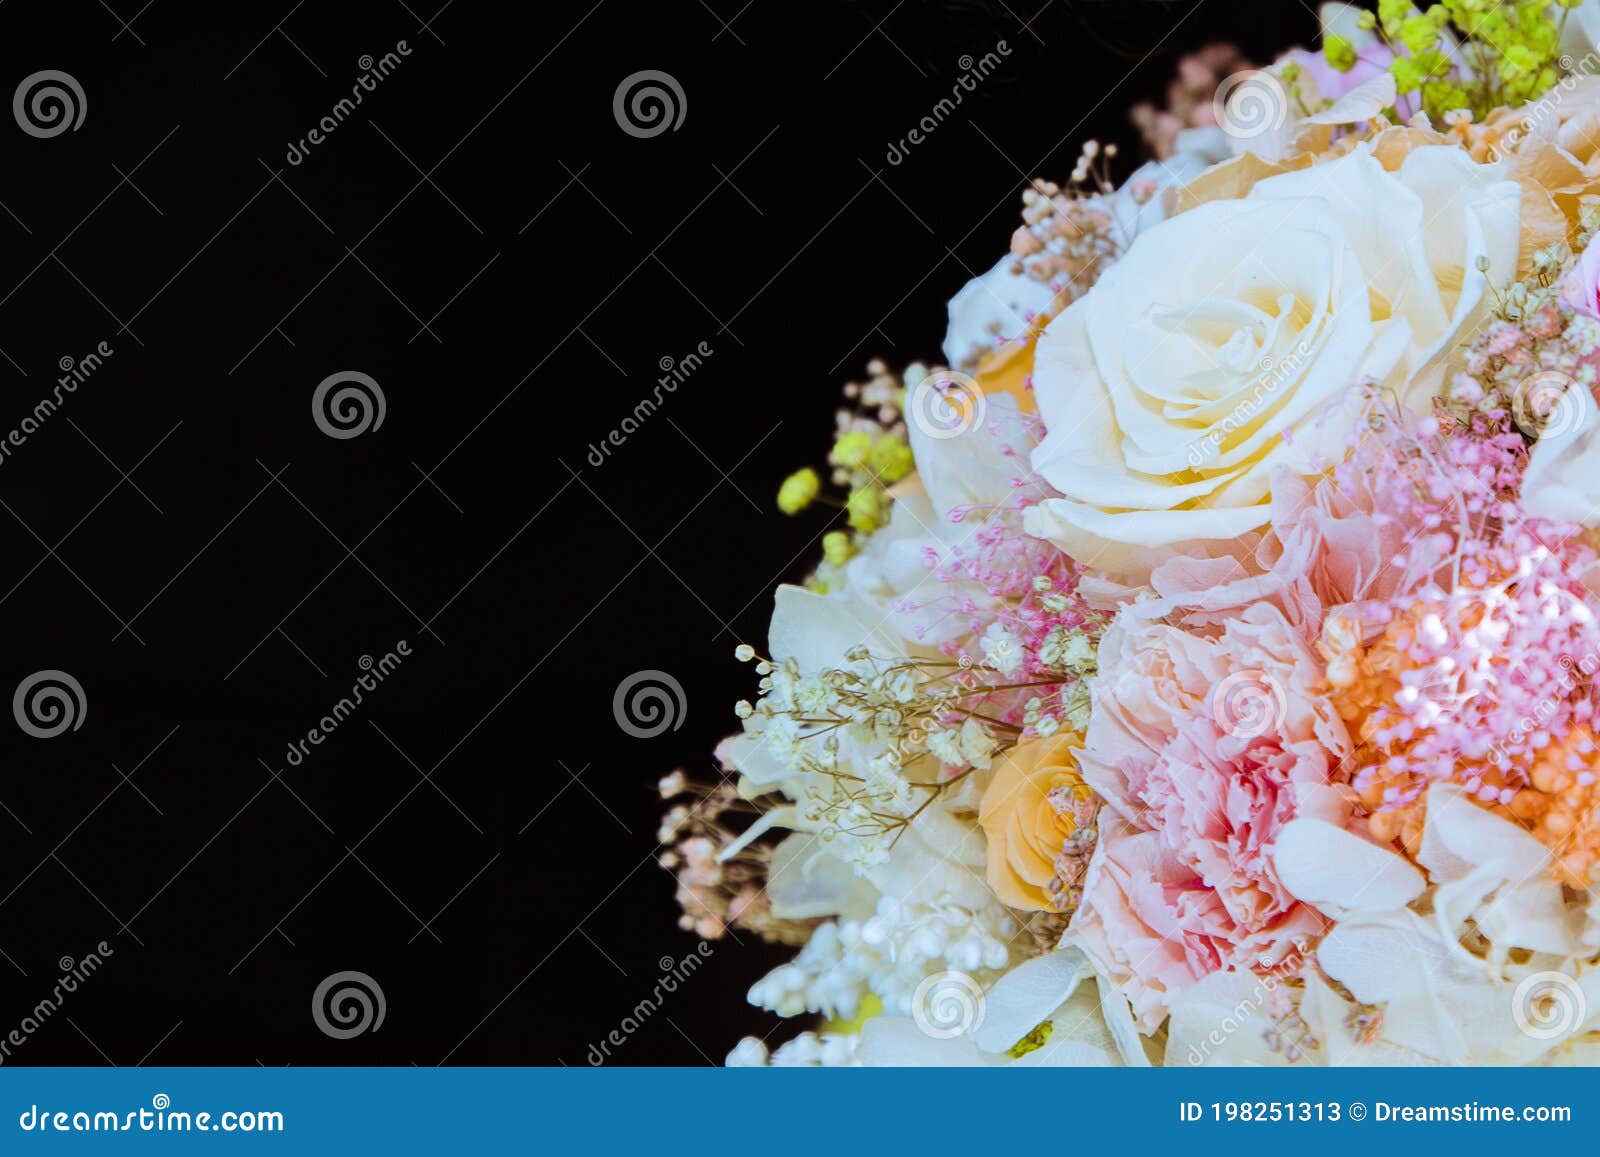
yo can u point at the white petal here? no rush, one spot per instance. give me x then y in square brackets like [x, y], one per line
[992, 307]
[897, 1042]
[1124, 1029]
[1361, 103]
[805, 881]
[1079, 1035]
[816, 631]
[1028, 995]
[1222, 1020]
[1340, 872]
[753, 759]
[1563, 476]
[772, 818]
[971, 468]
[1398, 961]
[1459, 835]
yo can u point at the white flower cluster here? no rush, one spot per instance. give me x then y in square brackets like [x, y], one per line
[889, 954]
[862, 745]
[808, 1050]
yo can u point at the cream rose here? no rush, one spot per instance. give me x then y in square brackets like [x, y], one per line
[1207, 357]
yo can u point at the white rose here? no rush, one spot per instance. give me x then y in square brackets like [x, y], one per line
[1207, 357]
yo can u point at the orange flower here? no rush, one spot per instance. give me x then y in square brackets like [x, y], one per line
[1026, 815]
[1550, 797]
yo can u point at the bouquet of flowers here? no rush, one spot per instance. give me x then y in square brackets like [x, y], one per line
[1208, 672]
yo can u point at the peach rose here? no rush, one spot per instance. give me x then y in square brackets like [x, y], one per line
[1028, 813]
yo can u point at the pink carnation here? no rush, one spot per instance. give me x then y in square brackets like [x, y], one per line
[1203, 748]
[1329, 543]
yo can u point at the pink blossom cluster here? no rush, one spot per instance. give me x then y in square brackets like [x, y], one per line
[1218, 716]
[1024, 586]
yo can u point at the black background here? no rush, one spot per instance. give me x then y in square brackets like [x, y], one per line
[482, 239]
